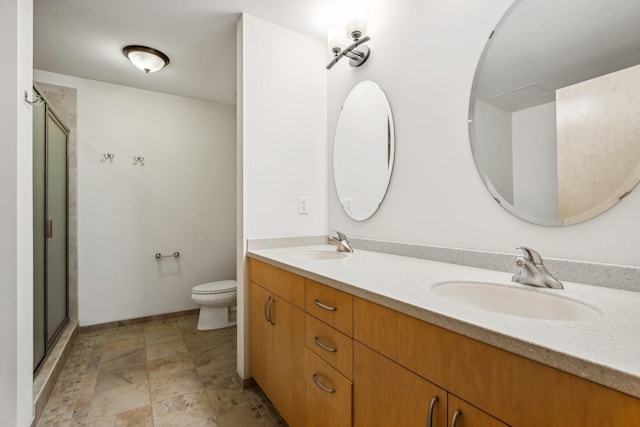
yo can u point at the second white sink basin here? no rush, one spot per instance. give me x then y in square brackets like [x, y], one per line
[534, 303]
[318, 255]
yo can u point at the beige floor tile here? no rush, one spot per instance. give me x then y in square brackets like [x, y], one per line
[166, 349]
[114, 360]
[120, 344]
[111, 374]
[166, 325]
[182, 410]
[162, 336]
[119, 400]
[178, 383]
[138, 417]
[120, 377]
[215, 360]
[180, 361]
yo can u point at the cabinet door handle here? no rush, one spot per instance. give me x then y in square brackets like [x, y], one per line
[266, 311]
[457, 414]
[49, 229]
[432, 406]
[322, 387]
[324, 346]
[270, 308]
[323, 306]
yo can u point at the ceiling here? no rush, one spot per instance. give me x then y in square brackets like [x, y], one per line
[84, 38]
[541, 46]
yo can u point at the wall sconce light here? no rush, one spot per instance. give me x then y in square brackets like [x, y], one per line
[146, 58]
[336, 41]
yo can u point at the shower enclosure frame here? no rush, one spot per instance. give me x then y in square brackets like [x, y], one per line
[49, 343]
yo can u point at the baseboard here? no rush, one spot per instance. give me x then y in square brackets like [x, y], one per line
[137, 320]
[245, 383]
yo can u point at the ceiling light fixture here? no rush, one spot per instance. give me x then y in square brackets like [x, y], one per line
[336, 41]
[146, 58]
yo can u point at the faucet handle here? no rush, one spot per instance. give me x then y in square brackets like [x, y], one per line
[530, 255]
[340, 235]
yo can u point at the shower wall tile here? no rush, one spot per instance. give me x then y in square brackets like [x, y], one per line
[73, 180]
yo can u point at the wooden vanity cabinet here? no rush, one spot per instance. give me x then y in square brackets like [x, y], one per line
[513, 389]
[388, 367]
[277, 338]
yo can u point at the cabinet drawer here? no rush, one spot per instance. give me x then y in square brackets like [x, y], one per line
[329, 394]
[330, 305]
[322, 339]
[287, 285]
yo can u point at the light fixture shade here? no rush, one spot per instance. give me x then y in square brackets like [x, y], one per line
[356, 28]
[146, 58]
[335, 40]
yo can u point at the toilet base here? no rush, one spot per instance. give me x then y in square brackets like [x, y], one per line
[216, 318]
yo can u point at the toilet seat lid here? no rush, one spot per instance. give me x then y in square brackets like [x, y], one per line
[215, 287]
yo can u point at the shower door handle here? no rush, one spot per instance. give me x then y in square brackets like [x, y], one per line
[49, 229]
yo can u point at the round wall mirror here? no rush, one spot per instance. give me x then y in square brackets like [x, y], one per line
[554, 115]
[363, 150]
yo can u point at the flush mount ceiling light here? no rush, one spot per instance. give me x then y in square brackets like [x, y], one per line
[336, 41]
[146, 58]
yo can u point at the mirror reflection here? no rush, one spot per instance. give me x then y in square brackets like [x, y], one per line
[555, 111]
[363, 150]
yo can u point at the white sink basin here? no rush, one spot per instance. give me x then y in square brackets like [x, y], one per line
[534, 303]
[318, 255]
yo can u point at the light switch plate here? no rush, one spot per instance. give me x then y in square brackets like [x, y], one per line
[303, 205]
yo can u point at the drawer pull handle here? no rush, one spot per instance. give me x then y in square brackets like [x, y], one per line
[457, 414]
[432, 406]
[323, 387]
[266, 310]
[270, 308]
[324, 346]
[323, 306]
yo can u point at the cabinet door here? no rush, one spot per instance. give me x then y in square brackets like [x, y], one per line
[329, 394]
[286, 361]
[277, 352]
[386, 394]
[469, 416]
[259, 335]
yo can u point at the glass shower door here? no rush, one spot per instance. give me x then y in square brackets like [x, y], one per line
[50, 289]
[39, 200]
[56, 227]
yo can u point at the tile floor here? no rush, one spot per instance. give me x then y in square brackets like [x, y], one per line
[162, 373]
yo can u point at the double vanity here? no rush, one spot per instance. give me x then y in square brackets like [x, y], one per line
[373, 339]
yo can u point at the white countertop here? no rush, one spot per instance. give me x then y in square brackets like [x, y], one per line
[605, 350]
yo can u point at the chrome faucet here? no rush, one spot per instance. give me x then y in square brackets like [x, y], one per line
[340, 240]
[533, 272]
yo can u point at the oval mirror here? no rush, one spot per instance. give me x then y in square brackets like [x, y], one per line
[363, 150]
[554, 115]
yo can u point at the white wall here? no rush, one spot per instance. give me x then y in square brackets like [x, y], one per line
[282, 142]
[436, 196]
[493, 140]
[535, 161]
[16, 239]
[183, 199]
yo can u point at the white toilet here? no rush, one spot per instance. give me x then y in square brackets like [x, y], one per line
[217, 301]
